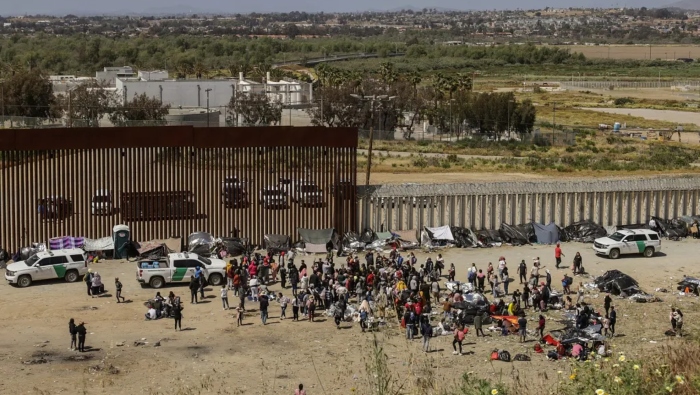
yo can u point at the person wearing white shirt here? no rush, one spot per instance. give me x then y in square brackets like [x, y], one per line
[224, 297]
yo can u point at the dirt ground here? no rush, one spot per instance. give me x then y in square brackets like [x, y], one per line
[215, 356]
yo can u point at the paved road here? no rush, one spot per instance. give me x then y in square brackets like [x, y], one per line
[434, 155]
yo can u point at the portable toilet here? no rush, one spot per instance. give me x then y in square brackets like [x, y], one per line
[121, 235]
[616, 127]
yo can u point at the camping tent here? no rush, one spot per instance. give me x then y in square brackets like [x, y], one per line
[546, 234]
[277, 243]
[319, 240]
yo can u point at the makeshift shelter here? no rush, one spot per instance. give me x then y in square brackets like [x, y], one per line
[406, 239]
[368, 235]
[546, 234]
[691, 284]
[201, 243]
[319, 240]
[584, 231]
[673, 228]
[464, 237]
[435, 237]
[515, 235]
[277, 243]
[103, 244]
[489, 237]
[236, 246]
[617, 283]
[66, 242]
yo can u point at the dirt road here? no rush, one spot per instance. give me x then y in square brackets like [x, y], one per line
[214, 355]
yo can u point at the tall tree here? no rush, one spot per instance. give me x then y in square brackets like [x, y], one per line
[142, 110]
[28, 94]
[86, 104]
[254, 109]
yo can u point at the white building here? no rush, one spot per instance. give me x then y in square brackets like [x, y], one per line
[110, 74]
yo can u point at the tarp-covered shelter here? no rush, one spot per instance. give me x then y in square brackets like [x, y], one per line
[201, 243]
[319, 240]
[515, 235]
[489, 237]
[66, 242]
[277, 243]
[102, 244]
[439, 236]
[617, 283]
[464, 237]
[546, 234]
[236, 246]
[672, 228]
[584, 232]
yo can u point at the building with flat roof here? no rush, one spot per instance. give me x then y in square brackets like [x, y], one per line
[110, 74]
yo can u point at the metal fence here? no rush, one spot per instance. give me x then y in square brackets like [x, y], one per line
[172, 181]
[625, 84]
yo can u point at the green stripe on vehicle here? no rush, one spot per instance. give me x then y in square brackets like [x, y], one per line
[641, 245]
[60, 270]
[179, 273]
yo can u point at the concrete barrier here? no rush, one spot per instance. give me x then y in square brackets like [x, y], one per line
[607, 202]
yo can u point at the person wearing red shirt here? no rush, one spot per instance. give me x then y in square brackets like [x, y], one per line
[558, 254]
[460, 332]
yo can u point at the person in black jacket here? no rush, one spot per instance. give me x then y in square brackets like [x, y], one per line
[177, 315]
[82, 332]
[118, 286]
[606, 304]
[73, 333]
[194, 286]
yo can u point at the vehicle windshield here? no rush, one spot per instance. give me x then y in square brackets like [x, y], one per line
[617, 236]
[204, 260]
[32, 260]
[100, 199]
[309, 188]
[272, 192]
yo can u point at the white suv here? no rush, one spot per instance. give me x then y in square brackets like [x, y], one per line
[628, 241]
[45, 265]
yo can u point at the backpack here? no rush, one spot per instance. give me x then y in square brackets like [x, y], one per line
[521, 358]
[569, 280]
[472, 275]
[504, 356]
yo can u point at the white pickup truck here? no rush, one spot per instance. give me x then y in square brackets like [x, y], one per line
[179, 268]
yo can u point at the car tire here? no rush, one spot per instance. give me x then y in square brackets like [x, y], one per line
[649, 252]
[215, 280]
[614, 253]
[157, 282]
[71, 276]
[24, 281]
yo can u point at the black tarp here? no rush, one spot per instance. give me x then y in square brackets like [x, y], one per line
[236, 246]
[368, 236]
[672, 228]
[692, 283]
[632, 226]
[616, 282]
[546, 234]
[515, 235]
[584, 232]
[200, 243]
[277, 243]
[464, 237]
[489, 236]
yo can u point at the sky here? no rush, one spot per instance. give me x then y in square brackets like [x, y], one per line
[96, 7]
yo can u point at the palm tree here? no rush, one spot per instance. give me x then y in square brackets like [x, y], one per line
[387, 74]
[200, 70]
[414, 79]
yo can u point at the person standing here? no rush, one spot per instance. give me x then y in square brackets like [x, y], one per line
[606, 304]
[88, 281]
[522, 328]
[239, 315]
[300, 390]
[558, 254]
[613, 321]
[540, 326]
[73, 332]
[194, 285]
[678, 315]
[548, 280]
[471, 275]
[118, 286]
[264, 303]
[672, 317]
[224, 297]
[480, 279]
[578, 264]
[459, 334]
[505, 279]
[522, 272]
[427, 331]
[451, 274]
[311, 307]
[579, 293]
[295, 309]
[478, 325]
[82, 333]
[283, 301]
[283, 276]
[177, 316]
[202, 284]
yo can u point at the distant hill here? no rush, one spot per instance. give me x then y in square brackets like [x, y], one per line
[691, 5]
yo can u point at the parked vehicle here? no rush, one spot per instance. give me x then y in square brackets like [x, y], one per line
[55, 208]
[136, 206]
[273, 198]
[68, 264]
[343, 189]
[308, 194]
[234, 193]
[179, 268]
[102, 203]
[628, 241]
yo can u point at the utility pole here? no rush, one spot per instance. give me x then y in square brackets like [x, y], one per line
[208, 90]
[554, 120]
[372, 100]
[2, 96]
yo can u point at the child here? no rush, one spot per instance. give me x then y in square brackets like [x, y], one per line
[239, 319]
[224, 297]
[606, 325]
[118, 286]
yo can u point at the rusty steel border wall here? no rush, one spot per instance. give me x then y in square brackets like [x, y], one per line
[74, 163]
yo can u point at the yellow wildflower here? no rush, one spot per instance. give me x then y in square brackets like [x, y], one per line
[669, 388]
[599, 392]
[679, 379]
[572, 377]
[617, 365]
[494, 392]
[622, 358]
[617, 380]
[635, 367]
